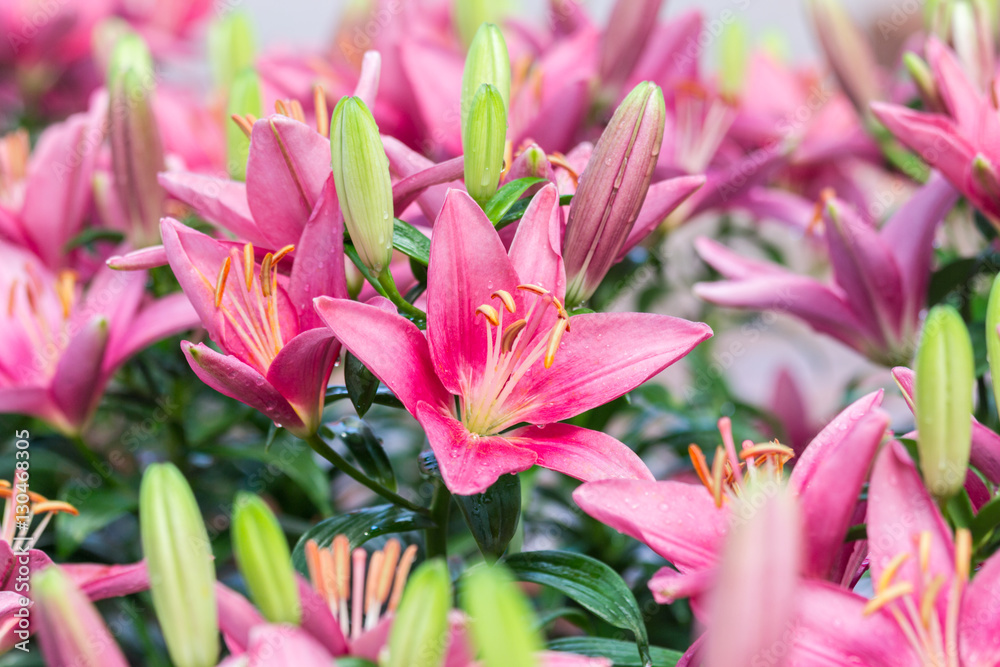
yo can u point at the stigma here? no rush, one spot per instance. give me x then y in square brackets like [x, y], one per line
[359, 591]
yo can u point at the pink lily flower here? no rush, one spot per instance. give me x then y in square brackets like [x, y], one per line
[925, 611]
[276, 355]
[541, 367]
[961, 142]
[46, 196]
[17, 542]
[343, 616]
[63, 341]
[688, 524]
[880, 277]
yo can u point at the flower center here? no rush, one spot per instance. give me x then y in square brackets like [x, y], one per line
[21, 506]
[934, 641]
[338, 575]
[730, 472]
[511, 351]
[26, 302]
[250, 305]
[294, 110]
[703, 120]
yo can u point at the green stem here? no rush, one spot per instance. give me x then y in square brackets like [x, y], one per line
[392, 293]
[437, 538]
[327, 452]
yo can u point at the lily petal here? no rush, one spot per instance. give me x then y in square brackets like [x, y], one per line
[318, 269]
[162, 318]
[661, 200]
[535, 251]
[301, 370]
[469, 463]
[979, 627]
[218, 200]
[78, 384]
[580, 453]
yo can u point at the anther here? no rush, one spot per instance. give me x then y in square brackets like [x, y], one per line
[243, 124]
[718, 467]
[281, 253]
[924, 550]
[927, 601]
[559, 160]
[534, 289]
[890, 594]
[322, 115]
[402, 572]
[963, 553]
[557, 334]
[510, 335]
[490, 313]
[700, 465]
[220, 284]
[508, 300]
[265, 275]
[65, 289]
[280, 107]
[766, 448]
[297, 111]
[54, 506]
[889, 573]
[248, 265]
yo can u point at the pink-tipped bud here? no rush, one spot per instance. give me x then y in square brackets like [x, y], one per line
[612, 190]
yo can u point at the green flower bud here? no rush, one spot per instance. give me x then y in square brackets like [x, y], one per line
[922, 76]
[231, 47]
[136, 148]
[469, 15]
[244, 99]
[486, 62]
[732, 58]
[993, 338]
[502, 621]
[265, 561]
[361, 176]
[181, 571]
[483, 140]
[943, 401]
[420, 630]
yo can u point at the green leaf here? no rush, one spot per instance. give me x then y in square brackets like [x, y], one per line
[359, 526]
[986, 520]
[98, 508]
[383, 396]
[93, 235]
[622, 654]
[507, 196]
[589, 582]
[365, 447]
[362, 384]
[516, 211]
[410, 241]
[493, 515]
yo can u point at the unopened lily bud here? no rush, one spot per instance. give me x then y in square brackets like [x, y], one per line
[469, 15]
[502, 621]
[486, 62]
[104, 39]
[923, 78]
[70, 630]
[265, 561]
[361, 176]
[848, 52]
[483, 139]
[136, 148]
[245, 101]
[937, 17]
[993, 338]
[181, 570]
[612, 189]
[943, 401]
[733, 58]
[629, 28]
[972, 37]
[420, 627]
[231, 47]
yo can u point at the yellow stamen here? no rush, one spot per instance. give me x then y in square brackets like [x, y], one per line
[402, 572]
[322, 114]
[700, 465]
[297, 111]
[248, 264]
[766, 448]
[508, 300]
[534, 289]
[220, 284]
[66, 290]
[392, 552]
[313, 565]
[890, 594]
[54, 506]
[718, 467]
[924, 549]
[279, 107]
[243, 124]
[559, 160]
[557, 334]
[889, 573]
[327, 585]
[341, 556]
[963, 553]
[265, 275]
[374, 576]
[281, 253]
[927, 601]
[510, 335]
[490, 313]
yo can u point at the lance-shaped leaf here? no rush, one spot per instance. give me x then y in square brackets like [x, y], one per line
[493, 515]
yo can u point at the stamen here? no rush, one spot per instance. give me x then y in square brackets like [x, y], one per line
[371, 588]
[66, 290]
[392, 552]
[927, 601]
[248, 265]
[766, 448]
[54, 506]
[963, 553]
[220, 284]
[490, 313]
[510, 335]
[726, 431]
[825, 195]
[557, 334]
[341, 559]
[297, 111]
[265, 275]
[889, 573]
[890, 594]
[508, 300]
[559, 160]
[700, 465]
[534, 289]
[281, 253]
[328, 582]
[322, 114]
[313, 565]
[718, 466]
[243, 124]
[402, 572]
[508, 159]
[358, 559]
[279, 106]
[924, 549]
